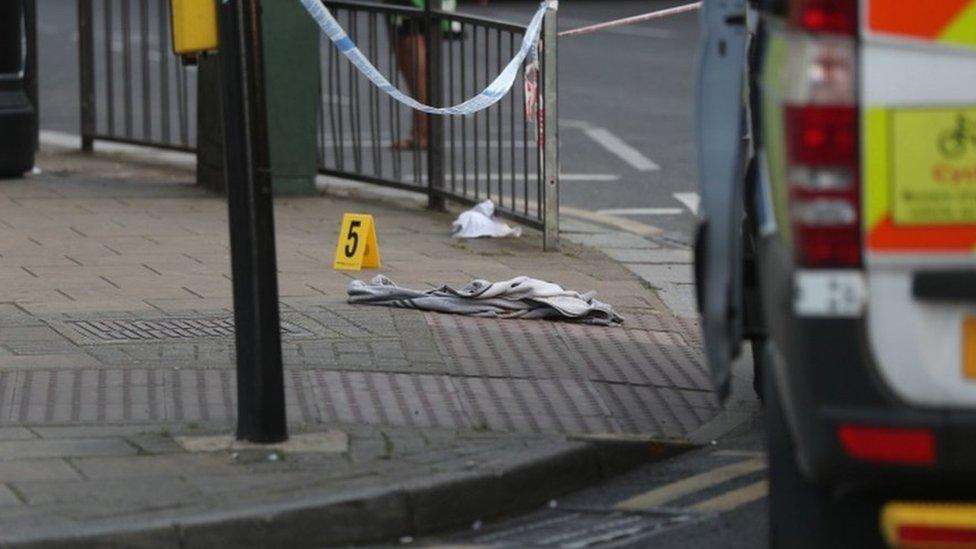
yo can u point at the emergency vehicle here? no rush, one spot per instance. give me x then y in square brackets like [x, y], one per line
[839, 238]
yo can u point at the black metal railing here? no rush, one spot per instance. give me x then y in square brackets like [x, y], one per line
[133, 90]
[440, 58]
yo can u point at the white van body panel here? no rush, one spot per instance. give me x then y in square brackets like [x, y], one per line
[918, 345]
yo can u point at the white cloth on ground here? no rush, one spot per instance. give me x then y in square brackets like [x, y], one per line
[520, 297]
[480, 221]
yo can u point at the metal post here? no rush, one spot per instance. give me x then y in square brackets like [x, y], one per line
[86, 65]
[550, 213]
[260, 378]
[435, 93]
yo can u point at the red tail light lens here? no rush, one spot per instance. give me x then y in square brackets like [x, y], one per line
[894, 445]
[822, 153]
[836, 16]
[936, 536]
[822, 135]
[932, 524]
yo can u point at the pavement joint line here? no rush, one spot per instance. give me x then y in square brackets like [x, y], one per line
[328, 442]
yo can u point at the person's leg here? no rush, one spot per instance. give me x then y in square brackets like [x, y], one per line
[411, 53]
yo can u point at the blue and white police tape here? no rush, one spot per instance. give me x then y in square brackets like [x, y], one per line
[491, 95]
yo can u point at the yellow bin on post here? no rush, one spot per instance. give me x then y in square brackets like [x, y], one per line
[194, 26]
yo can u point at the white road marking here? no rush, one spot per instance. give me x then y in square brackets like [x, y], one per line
[621, 149]
[691, 200]
[642, 211]
[613, 144]
[575, 124]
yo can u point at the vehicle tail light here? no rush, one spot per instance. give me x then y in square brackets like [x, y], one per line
[836, 16]
[891, 445]
[821, 123]
[824, 184]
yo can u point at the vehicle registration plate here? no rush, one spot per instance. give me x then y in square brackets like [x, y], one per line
[933, 166]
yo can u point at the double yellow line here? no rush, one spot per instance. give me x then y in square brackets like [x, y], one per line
[727, 501]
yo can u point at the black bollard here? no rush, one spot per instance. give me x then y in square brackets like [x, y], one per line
[260, 377]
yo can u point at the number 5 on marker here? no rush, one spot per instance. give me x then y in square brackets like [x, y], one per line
[357, 246]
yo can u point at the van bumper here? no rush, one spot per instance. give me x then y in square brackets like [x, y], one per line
[827, 377]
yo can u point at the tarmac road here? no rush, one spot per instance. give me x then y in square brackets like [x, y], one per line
[626, 108]
[710, 498]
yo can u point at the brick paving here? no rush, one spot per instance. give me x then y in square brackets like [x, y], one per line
[115, 331]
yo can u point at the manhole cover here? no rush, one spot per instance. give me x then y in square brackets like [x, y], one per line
[169, 328]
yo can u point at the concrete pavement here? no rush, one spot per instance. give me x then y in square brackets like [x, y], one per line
[116, 370]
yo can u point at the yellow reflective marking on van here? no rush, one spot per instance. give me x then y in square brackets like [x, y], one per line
[875, 166]
[896, 515]
[933, 166]
[969, 348]
[962, 30]
[919, 179]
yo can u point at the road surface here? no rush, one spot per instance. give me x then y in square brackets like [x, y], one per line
[709, 498]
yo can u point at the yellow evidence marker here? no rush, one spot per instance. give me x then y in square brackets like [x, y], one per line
[357, 248]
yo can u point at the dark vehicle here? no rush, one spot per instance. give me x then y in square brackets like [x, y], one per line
[18, 88]
[838, 238]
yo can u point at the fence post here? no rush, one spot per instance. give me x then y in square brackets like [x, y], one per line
[550, 87]
[86, 64]
[435, 123]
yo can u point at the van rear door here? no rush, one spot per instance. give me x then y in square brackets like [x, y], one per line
[918, 112]
[721, 132]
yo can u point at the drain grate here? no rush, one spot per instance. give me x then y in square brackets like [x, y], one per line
[123, 330]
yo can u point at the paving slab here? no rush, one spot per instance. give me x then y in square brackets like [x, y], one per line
[118, 387]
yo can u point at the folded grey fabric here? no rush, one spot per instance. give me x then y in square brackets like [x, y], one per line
[520, 297]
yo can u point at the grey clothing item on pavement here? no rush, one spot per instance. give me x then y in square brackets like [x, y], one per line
[520, 297]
